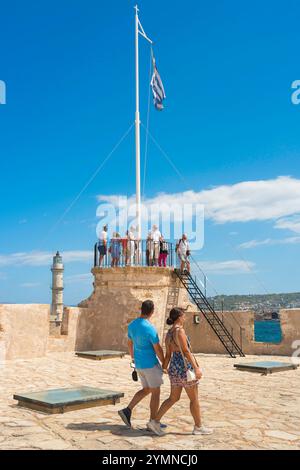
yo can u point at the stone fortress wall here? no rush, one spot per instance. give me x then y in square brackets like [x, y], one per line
[100, 322]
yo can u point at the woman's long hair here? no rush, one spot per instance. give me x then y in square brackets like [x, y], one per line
[174, 314]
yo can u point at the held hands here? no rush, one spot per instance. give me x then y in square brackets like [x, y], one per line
[164, 367]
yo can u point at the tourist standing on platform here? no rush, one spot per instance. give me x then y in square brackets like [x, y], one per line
[184, 372]
[124, 242]
[102, 244]
[155, 246]
[145, 350]
[148, 248]
[115, 249]
[131, 247]
[163, 254]
[183, 252]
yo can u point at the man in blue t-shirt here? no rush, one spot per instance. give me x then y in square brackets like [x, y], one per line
[145, 350]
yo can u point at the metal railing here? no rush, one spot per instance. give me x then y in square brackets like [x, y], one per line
[146, 253]
[125, 252]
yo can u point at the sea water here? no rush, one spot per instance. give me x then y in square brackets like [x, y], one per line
[267, 331]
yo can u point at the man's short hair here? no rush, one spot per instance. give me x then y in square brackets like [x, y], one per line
[147, 307]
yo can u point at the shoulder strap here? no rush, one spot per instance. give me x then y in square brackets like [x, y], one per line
[179, 345]
[190, 348]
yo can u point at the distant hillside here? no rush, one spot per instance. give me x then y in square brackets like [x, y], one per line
[258, 303]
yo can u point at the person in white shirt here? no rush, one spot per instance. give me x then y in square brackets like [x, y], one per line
[183, 252]
[155, 245]
[102, 244]
[131, 246]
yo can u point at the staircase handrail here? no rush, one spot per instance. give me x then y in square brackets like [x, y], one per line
[192, 287]
[213, 288]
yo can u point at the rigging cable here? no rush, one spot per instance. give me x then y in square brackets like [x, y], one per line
[167, 157]
[85, 186]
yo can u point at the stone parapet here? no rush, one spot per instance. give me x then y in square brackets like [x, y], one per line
[101, 321]
[25, 330]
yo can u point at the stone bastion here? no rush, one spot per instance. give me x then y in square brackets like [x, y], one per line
[100, 321]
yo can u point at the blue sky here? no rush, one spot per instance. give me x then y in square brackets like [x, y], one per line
[229, 126]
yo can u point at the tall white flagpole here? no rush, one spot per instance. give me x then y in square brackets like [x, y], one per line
[137, 129]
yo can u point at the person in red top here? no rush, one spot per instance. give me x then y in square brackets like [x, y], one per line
[163, 253]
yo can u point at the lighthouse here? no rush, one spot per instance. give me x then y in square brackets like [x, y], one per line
[57, 305]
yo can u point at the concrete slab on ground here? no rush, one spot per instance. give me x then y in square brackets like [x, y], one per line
[100, 355]
[266, 367]
[61, 400]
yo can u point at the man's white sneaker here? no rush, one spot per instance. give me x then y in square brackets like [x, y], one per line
[202, 430]
[154, 426]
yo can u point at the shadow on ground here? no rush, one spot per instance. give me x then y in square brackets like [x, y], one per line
[113, 428]
[118, 430]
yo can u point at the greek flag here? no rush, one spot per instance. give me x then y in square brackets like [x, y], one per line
[157, 89]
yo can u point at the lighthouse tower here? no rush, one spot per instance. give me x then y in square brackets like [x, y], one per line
[57, 306]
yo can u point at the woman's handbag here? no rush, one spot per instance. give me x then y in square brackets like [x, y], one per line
[134, 376]
[190, 373]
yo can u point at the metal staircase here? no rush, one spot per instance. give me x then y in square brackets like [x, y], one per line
[209, 314]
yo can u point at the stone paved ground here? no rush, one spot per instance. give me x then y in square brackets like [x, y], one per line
[247, 411]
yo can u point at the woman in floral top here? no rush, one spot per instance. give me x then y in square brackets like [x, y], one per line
[177, 346]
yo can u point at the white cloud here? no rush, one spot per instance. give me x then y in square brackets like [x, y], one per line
[43, 258]
[227, 267]
[240, 202]
[270, 241]
[23, 221]
[85, 277]
[289, 223]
